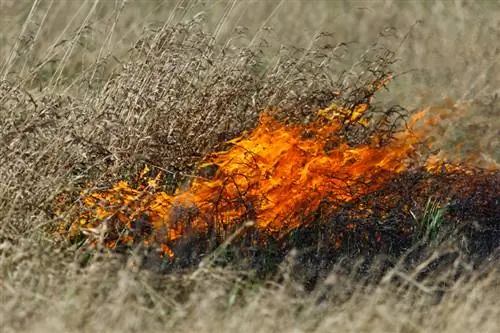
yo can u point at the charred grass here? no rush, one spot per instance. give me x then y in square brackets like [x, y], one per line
[109, 95]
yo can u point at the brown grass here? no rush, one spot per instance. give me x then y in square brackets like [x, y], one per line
[90, 91]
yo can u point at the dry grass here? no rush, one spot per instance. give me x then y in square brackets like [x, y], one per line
[52, 293]
[90, 91]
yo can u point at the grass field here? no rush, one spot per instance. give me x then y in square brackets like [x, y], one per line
[93, 91]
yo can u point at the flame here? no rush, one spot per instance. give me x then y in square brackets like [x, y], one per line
[277, 176]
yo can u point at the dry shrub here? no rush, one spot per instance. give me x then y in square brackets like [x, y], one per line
[181, 94]
[178, 97]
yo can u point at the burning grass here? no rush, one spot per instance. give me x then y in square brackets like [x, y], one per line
[356, 176]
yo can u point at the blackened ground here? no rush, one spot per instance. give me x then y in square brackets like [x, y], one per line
[367, 241]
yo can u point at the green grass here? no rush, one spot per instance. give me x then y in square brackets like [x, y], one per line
[430, 221]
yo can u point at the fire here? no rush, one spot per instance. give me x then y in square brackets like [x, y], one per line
[277, 176]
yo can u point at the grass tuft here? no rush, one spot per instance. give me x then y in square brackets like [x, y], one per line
[431, 220]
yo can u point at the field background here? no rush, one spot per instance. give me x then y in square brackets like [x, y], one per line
[62, 61]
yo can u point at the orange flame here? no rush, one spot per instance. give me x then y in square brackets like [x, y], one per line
[276, 176]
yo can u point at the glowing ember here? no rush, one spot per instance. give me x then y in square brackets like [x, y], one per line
[277, 176]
